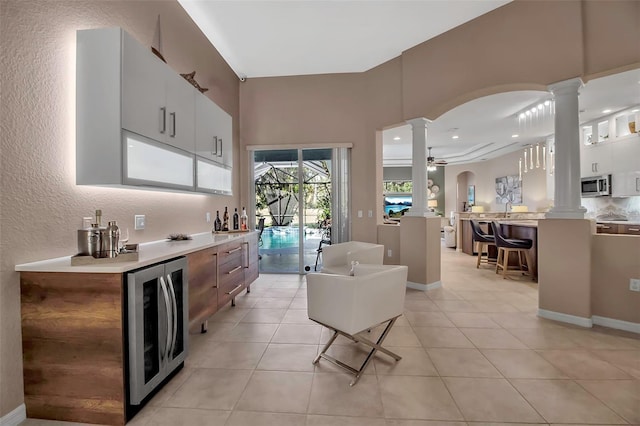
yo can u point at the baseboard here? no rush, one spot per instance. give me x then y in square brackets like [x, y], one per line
[570, 319]
[633, 327]
[14, 418]
[424, 287]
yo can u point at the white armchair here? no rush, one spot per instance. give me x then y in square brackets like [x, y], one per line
[337, 258]
[349, 305]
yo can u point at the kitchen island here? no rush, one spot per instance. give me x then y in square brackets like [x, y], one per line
[76, 321]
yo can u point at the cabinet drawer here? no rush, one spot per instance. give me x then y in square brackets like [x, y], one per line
[230, 287]
[629, 229]
[230, 253]
[607, 228]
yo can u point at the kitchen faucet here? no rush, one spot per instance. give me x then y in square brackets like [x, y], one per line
[507, 206]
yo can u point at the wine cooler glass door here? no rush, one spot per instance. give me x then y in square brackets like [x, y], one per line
[176, 278]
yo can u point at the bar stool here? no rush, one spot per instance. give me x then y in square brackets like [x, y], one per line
[483, 240]
[508, 245]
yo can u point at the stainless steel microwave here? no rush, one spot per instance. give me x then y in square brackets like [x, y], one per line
[596, 186]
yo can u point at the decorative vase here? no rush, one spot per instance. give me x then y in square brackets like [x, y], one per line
[632, 126]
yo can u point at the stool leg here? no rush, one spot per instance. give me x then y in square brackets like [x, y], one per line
[500, 253]
[479, 255]
[505, 262]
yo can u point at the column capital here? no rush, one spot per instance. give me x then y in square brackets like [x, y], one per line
[419, 121]
[566, 86]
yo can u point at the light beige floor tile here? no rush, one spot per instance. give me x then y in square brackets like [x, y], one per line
[428, 319]
[297, 333]
[420, 305]
[273, 303]
[247, 300]
[470, 295]
[264, 316]
[393, 422]
[522, 364]
[229, 314]
[491, 338]
[414, 362]
[289, 357]
[188, 417]
[326, 334]
[170, 388]
[297, 316]
[582, 364]
[298, 303]
[415, 294]
[398, 336]
[599, 340]
[286, 284]
[490, 400]
[563, 401]
[520, 320]
[324, 420]
[254, 418]
[470, 319]
[277, 391]
[622, 396]
[211, 389]
[281, 292]
[331, 394]
[455, 306]
[417, 398]
[442, 294]
[461, 363]
[492, 306]
[231, 355]
[505, 424]
[301, 293]
[442, 337]
[247, 332]
[544, 338]
[627, 361]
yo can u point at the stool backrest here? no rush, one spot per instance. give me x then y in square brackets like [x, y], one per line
[500, 239]
[478, 235]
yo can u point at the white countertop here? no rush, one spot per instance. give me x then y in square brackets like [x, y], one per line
[149, 253]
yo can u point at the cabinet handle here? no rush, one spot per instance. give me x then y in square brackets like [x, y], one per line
[637, 184]
[235, 288]
[165, 353]
[237, 268]
[214, 141]
[248, 263]
[634, 229]
[163, 120]
[173, 120]
[220, 152]
[606, 227]
[234, 250]
[174, 302]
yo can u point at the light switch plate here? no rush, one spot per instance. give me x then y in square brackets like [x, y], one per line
[139, 221]
[359, 213]
[207, 217]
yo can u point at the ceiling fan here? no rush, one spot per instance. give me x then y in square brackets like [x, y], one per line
[432, 162]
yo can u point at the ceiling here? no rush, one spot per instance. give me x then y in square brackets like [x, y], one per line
[485, 126]
[279, 38]
[265, 38]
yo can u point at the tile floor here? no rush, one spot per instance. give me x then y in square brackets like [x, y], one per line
[474, 353]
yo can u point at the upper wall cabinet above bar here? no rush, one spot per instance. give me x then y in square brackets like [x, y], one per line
[127, 98]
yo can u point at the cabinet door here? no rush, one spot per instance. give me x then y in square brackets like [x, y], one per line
[225, 128]
[203, 286]
[207, 139]
[251, 272]
[625, 184]
[596, 160]
[626, 154]
[181, 97]
[143, 91]
[212, 177]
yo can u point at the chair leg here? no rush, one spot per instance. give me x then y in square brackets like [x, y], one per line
[480, 245]
[505, 262]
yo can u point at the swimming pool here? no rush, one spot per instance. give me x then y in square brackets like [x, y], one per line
[281, 237]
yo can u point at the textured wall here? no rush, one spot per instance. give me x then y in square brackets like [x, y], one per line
[40, 204]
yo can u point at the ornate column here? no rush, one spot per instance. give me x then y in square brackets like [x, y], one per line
[419, 168]
[567, 151]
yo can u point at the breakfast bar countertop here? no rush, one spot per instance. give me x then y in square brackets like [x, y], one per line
[149, 253]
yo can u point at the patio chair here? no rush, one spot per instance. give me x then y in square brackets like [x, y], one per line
[350, 305]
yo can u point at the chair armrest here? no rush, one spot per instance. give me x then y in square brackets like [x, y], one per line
[335, 254]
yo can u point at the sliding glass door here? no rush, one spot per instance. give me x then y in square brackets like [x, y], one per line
[296, 196]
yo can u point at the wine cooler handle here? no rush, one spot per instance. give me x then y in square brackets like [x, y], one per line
[175, 315]
[165, 293]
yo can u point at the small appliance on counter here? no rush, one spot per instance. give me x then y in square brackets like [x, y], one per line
[98, 244]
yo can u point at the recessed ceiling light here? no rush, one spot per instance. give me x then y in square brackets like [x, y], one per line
[606, 111]
[514, 136]
[397, 138]
[635, 110]
[455, 137]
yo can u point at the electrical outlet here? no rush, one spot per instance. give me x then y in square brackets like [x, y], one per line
[207, 216]
[359, 213]
[389, 253]
[370, 213]
[634, 284]
[139, 221]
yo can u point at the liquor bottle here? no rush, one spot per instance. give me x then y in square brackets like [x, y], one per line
[244, 219]
[235, 220]
[217, 224]
[225, 220]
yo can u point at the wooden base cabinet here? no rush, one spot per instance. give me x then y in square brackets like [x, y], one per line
[203, 286]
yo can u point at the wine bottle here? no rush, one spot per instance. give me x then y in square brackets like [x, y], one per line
[225, 220]
[235, 220]
[217, 224]
[243, 220]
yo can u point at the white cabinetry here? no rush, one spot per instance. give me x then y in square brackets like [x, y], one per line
[596, 160]
[625, 184]
[136, 120]
[213, 132]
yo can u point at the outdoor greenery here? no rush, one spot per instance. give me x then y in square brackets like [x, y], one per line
[391, 187]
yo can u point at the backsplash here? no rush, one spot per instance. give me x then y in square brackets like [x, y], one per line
[609, 208]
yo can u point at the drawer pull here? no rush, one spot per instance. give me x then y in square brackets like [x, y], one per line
[235, 288]
[237, 268]
[634, 229]
[234, 250]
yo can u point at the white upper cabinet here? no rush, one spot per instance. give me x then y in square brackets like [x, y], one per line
[156, 102]
[213, 132]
